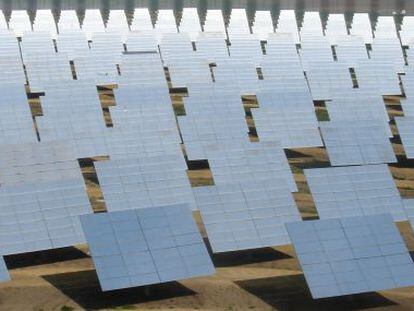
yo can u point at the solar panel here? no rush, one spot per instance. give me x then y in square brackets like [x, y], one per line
[143, 182]
[72, 43]
[388, 49]
[145, 246]
[16, 124]
[238, 23]
[263, 24]
[354, 191]
[37, 162]
[246, 215]
[351, 255]
[42, 215]
[150, 67]
[141, 20]
[212, 47]
[44, 21]
[214, 22]
[72, 112]
[246, 48]
[357, 142]
[92, 23]
[335, 28]
[68, 20]
[248, 161]
[20, 22]
[293, 125]
[357, 104]
[117, 22]
[312, 24]
[385, 27]
[141, 41]
[4, 273]
[314, 47]
[361, 26]
[3, 22]
[406, 31]
[39, 42]
[287, 24]
[324, 77]
[165, 23]
[351, 49]
[42, 70]
[190, 23]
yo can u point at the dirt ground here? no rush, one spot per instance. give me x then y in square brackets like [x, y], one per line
[262, 279]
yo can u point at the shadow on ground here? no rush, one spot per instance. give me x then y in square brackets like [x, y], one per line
[44, 257]
[83, 288]
[291, 293]
[244, 257]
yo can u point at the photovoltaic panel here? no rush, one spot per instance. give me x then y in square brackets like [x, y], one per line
[16, 124]
[406, 31]
[146, 246]
[311, 25]
[38, 162]
[263, 24]
[141, 20]
[44, 21]
[190, 23]
[20, 22]
[287, 24]
[73, 43]
[248, 161]
[68, 20]
[356, 104]
[294, 126]
[238, 23]
[335, 27]
[246, 215]
[357, 143]
[42, 215]
[351, 49]
[351, 255]
[379, 75]
[354, 191]
[92, 23]
[214, 22]
[361, 26]
[144, 182]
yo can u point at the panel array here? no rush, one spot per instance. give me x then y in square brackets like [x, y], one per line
[144, 182]
[354, 191]
[246, 215]
[42, 215]
[146, 246]
[351, 255]
[355, 143]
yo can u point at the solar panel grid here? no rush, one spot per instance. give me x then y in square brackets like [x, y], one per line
[144, 182]
[354, 191]
[351, 255]
[246, 215]
[357, 144]
[146, 246]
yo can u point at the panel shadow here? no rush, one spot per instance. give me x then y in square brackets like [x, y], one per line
[83, 288]
[244, 257]
[291, 293]
[44, 257]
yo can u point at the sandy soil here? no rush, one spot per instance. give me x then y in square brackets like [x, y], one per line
[263, 279]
